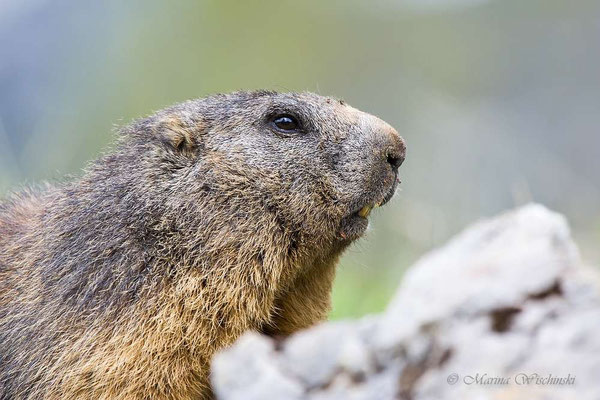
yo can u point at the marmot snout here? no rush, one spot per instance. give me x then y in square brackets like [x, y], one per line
[210, 218]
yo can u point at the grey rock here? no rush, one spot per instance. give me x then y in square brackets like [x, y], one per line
[251, 371]
[506, 310]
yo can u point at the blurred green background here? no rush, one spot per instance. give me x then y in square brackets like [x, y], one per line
[499, 101]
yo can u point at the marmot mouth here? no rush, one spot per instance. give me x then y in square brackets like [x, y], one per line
[355, 224]
[366, 209]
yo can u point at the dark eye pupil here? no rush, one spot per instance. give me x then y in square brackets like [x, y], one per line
[286, 123]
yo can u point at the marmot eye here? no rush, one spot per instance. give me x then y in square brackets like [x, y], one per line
[285, 123]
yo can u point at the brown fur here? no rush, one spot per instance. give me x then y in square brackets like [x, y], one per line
[205, 222]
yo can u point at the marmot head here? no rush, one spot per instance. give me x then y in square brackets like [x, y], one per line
[313, 164]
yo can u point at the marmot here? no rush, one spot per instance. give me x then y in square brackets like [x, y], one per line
[209, 218]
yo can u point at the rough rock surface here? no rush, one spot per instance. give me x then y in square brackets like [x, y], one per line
[506, 310]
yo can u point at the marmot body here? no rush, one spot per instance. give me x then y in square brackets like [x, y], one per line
[210, 218]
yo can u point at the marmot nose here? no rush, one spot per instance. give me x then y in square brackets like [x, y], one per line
[395, 160]
[395, 150]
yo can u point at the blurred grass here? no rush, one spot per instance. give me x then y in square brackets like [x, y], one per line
[360, 292]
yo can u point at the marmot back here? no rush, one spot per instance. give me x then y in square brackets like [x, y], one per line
[210, 218]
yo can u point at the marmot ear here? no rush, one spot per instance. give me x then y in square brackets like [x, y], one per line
[176, 134]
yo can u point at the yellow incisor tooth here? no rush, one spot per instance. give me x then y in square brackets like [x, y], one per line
[365, 211]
